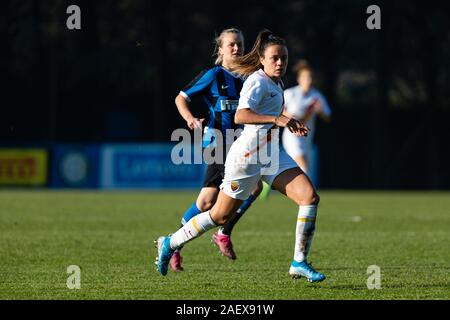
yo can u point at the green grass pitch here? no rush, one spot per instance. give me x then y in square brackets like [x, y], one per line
[110, 236]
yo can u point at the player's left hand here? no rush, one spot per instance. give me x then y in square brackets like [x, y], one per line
[302, 129]
[295, 126]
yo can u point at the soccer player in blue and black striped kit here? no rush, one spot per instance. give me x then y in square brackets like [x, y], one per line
[219, 88]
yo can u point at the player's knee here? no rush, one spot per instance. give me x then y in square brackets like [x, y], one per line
[308, 197]
[205, 205]
[311, 198]
[315, 199]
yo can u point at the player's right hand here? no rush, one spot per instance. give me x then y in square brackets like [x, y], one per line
[194, 123]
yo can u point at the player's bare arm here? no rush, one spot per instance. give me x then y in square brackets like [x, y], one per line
[184, 110]
[247, 116]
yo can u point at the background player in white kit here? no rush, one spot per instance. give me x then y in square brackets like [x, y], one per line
[260, 108]
[305, 103]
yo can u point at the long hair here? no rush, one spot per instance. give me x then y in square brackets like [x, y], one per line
[250, 62]
[219, 39]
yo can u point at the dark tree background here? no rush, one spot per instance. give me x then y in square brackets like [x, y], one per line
[115, 80]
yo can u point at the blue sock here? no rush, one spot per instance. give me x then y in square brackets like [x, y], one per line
[246, 204]
[191, 212]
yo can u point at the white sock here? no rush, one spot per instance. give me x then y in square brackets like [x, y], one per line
[306, 224]
[192, 229]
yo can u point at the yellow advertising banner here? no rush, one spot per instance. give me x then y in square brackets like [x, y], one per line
[23, 167]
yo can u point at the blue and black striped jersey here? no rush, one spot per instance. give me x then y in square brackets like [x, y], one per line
[219, 89]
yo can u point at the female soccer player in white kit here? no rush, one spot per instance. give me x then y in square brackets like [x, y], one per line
[305, 103]
[260, 108]
[219, 89]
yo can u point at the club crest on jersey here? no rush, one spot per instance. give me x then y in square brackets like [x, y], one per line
[234, 185]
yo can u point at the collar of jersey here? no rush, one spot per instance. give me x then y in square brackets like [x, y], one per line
[231, 73]
[278, 85]
[302, 94]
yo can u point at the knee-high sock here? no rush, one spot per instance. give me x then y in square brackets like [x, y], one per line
[188, 215]
[306, 224]
[192, 229]
[191, 212]
[228, 228]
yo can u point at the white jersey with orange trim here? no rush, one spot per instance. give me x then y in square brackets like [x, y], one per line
[263, 96]
[251, 153]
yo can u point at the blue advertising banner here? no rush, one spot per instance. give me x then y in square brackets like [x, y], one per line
[74, 166]
[145, 166]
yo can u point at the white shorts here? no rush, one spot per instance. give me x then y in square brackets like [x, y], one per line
[241, 188]
[296, 146]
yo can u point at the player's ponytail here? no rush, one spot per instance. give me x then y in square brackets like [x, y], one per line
[250, 62]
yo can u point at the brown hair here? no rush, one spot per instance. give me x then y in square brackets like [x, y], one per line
[250, 63]
[301, 65]
[218, 42]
